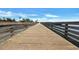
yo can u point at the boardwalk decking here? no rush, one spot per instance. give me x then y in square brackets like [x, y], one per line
[37, 37]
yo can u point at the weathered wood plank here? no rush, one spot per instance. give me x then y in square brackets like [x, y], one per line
[37, 37]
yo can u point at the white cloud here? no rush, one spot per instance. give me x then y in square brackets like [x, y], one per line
[50, 15]
[5, 14]
[32, 14]
[12, 14]
[20, 15]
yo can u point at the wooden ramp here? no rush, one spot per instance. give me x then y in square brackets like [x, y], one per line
[37, 37]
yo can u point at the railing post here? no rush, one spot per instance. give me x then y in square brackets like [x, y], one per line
[51, 26]
[66, 30]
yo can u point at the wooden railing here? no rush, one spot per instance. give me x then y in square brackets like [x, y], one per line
[7, 29]
[68, 30]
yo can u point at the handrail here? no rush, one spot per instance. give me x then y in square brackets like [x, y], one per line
[6, 31]
[68, 30]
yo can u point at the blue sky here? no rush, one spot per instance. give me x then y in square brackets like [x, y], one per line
[42, 14]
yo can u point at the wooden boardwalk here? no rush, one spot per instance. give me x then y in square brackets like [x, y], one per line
[37, 37]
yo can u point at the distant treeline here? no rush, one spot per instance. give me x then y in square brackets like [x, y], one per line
[26, 20]
[4, 19]
[7, 20]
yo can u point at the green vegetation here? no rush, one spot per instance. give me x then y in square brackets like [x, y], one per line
[26, 20]
[4, 19]
[7, 20]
